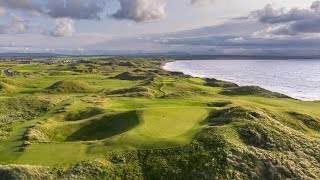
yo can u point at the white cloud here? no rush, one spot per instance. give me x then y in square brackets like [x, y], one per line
[20, 4]
[64, 27]
[142, 10]
[201, 2]
[292, 22]
[2, 11]
[17, 25]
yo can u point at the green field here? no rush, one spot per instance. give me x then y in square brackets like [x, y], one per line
[129, 119]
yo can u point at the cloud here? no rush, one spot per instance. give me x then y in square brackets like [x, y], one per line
[2, 11]
[33, 13]
[136, 10]
[141, 10]
[17, 25]
[268, 31]
[240, 36]
[292, 22]
[201, 2]
[75, 9]
[20, 4]
[64, 27]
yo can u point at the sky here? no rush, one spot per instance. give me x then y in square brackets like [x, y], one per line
[218, 27]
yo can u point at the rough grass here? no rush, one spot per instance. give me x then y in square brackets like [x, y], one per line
[19, 109]
[6, 88]
[219, 104]
[133, 76]
[251, 91]
[5, 131]
[218, 83]
[137, 91]
[26, 172]
[308, 120]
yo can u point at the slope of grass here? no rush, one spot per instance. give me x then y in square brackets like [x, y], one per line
[97, 128]
[83, 114]
[19, 109]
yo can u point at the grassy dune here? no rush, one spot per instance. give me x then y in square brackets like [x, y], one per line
[72, 86]
[129, 119]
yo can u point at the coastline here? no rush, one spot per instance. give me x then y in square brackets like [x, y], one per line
[163, 66]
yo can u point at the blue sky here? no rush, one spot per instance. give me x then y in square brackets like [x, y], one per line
[247, 27]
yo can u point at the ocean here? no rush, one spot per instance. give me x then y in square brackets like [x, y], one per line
[298, 79]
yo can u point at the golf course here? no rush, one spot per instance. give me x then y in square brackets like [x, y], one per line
[127, 118]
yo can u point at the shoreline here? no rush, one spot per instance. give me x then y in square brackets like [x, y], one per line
[203, 77]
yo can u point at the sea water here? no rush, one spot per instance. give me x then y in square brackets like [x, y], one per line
[299, 79]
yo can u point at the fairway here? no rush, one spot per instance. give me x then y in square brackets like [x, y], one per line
[52, 154]
[163, 127]
[171, 122]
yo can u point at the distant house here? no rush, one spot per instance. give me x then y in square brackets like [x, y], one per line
[25, 62]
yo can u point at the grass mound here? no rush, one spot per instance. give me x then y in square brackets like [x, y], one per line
[70, 86]
[219, 103]
[25, 172]
[251, 91]
[35, 134]
[90, 170]
[127, 64]
[10, 82]
[7, 88]
[226, 116]
[258, 136]
[5, 131]
[184, 162]
[18, 109]
[59, 73]
[274, 153]
[84, 114]
[217, 83]
[134, 76]
[309, 121]
[138, 91]
[179, 74]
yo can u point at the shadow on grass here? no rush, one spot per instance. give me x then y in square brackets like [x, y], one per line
[106, 127]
